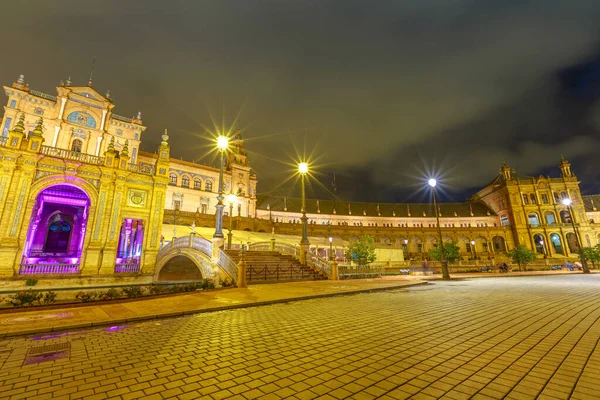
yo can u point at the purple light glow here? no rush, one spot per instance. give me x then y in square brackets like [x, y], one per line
[52, 250]
[115, 328]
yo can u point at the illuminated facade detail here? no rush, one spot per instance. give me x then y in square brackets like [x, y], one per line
[63, 187]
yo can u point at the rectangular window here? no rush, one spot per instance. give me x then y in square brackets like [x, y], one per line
[485, 246]
[7, 123]
[544, 198]
[133, 155]
[468, 247]
[525, 199]
[176, 204]
[203, 207]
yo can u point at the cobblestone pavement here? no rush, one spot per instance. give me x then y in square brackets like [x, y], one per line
[517, 338]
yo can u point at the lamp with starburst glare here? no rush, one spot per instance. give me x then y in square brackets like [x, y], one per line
[445, 274]
[222, 146]
[304, 243]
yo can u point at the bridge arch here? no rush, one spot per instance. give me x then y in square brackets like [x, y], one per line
[190, 257]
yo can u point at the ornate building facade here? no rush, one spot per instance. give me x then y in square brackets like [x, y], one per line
[79, 197]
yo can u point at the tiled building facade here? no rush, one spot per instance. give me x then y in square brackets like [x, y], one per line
[78, 196]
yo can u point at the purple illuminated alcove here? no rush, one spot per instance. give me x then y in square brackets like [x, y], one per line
[56, 231]
[130, 246]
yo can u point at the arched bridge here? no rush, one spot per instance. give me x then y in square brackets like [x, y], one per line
[190, 258]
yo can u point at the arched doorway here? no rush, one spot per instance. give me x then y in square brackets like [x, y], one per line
[499, 244]
[572, 242]
[179, 268]
[540, 246]
[56, 231]
[556, 243]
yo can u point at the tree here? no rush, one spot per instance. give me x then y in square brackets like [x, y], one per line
[362, 251]
[591, 254]
[452, 252]
[522, 256]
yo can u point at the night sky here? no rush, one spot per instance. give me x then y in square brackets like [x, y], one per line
[381, 91]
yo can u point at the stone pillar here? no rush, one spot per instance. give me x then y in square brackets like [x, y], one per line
[334, 271]
[241, 278]
[304, 247]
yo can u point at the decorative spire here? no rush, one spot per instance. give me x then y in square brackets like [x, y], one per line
[471, 209]
[39, 128]
[284, 203]
[107, 94]
[21, 79]
[92, 72]
[111, 144]
[125, 151]
[20, 125]
[408, 209]
[165, 138]
[68, 81]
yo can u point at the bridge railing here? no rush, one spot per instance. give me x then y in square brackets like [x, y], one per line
[320, 264]
[228, 265]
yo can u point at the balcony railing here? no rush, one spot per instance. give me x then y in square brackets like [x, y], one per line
[42, 95]
[127, 267]
[121, 118]
[142, 169]
[47, 269]
[71, 155]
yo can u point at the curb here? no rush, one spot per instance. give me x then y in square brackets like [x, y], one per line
[24, 332]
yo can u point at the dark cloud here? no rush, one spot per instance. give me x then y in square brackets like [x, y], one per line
[387, 89]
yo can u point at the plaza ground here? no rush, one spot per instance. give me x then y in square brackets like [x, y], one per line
[503, 337]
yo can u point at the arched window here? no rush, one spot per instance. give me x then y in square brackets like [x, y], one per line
[565, 217]
[550, 220]
[556, 243]
[563, 195]
[525, 199]
[172, 178]
[197, 183]
[532, 197]
[57, 240]
[533, 219]
[556, 197]
[76, 145]
[572, 242]
[208, 186]
[185, 181]
[540, 246]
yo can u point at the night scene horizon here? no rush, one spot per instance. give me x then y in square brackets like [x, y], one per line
[383, 95]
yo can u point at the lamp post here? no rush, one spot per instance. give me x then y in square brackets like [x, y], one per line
[330, 248]
[474, 249]
[405, 249]
[445, 274]
[568, 202]
[222, 145]
[543, 248]
[231, 198]
[304, 243]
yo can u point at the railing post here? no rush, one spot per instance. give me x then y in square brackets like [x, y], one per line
[241, 281]
[334, 271]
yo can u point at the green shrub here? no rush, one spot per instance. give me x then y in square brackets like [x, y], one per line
[24, 298]
[210, 284]
[113, 294]
[156, 289]
[31, 282]
[133, 291]
[49, 298]
[227, 282]
[85, 296]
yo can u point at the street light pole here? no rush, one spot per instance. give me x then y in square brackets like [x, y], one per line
[222, 145]
[586, 270]
[330, 248]
[304, 243]
[474, 249]
[231, 198]
[445, 273]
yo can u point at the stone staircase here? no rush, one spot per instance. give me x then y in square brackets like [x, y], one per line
[270, 266]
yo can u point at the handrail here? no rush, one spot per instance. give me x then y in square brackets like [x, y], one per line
[319, 264]
[71, 155]
[228, 265]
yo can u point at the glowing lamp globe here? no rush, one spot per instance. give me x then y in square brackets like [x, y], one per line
[330, 239]
[472, 242]
[231, 198]
[303, 168]
[566, 202]
[432, 182]
[222, 142]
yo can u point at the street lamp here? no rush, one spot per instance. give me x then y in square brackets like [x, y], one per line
[445, 274]
[222, 145]
[474, 249]
[568, 202]
[405, 249]
[304, 243]
[330, 248]
[231, 198]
